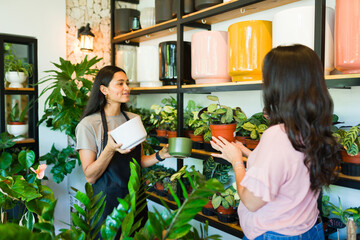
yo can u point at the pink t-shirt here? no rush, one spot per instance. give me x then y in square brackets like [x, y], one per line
[276, 173]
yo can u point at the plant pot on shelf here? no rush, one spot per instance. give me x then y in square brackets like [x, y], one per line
[188, 132]
[250, 143]
[171, 134]
[350, 159]
[180, 147]
[15, 79]
[161, 132]
[123, 20]
[163, 10]
[18, 129]
[241, 139]
[226, 131]
[197, 141]
[226, 215]
[208, 209]
[159, 189]
[201, 4]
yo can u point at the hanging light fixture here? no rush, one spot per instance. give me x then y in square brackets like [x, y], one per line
[86, 38]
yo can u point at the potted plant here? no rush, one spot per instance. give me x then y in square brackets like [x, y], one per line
[350, 141]
[17, 125]
[254, 127]
[156, 118]
[225, 204]
[190, 111]
[169, 116]
[222, 119]
[16, 70]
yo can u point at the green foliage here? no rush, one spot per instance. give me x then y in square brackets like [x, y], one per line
[64, 162]
[69, 88]
[16, 115]
[13, 63]
[85, 220]
[164, 117]
[225, 198]
[350, 139]
[191, 118]
[212, 169]
[254, 126]
[344, 214]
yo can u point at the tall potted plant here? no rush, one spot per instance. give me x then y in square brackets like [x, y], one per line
[17, 125]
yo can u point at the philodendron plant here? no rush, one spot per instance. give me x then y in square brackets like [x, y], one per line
[255, 126]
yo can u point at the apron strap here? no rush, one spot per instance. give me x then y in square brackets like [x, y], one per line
[105, 127]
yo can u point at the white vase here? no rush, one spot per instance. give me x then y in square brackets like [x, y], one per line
[15, 79]
[125, 58]
[18, 130]
[148, 66]
[147, 17]
[296, 25]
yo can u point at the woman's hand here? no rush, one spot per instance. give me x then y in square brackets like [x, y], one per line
[231, 152]
[164, 152]
[113, 146]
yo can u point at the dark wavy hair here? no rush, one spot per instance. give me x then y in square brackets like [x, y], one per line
[97, 99]
[295, 94]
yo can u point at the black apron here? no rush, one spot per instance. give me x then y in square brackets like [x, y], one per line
[114, 181]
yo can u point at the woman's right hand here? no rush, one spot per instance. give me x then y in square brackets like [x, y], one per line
[113, 146]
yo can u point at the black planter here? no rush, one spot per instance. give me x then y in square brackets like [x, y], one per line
[125, 18]
[201, 4]
[188, 7]
[167, 58]
[350, 169]
[163, 10]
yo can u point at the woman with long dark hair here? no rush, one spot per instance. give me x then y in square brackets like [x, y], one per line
[297, 155]
[105, 164]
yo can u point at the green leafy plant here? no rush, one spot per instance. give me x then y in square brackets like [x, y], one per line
[225, 199]
[69, 87]
[85, 220]
[212, 169]
[350, 139]
[13, 63]
[164, 117]
[191, 118]
[344, 214]
[64, 162]
[16, 115]
[255, 126]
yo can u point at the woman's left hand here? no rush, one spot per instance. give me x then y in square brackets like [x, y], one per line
[229, 151]
[164, 152]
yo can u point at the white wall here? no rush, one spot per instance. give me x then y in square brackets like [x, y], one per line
[44, 20]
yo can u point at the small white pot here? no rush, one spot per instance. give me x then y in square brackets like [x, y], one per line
[148, 56]
[15, 79]
[18, 130]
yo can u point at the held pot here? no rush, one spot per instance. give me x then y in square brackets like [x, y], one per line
[296, 25]
[180, 147]
[226, 131]
[249, 42]
[167, 59]
[201, 4]
[347, 36]
[209, 57]
[124, 18]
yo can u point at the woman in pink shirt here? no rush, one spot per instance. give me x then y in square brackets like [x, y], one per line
[297, 155]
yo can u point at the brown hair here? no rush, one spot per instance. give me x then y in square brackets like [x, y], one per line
[295, 94]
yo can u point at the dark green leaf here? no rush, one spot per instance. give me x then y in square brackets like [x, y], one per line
[5, 160]
[26, 158]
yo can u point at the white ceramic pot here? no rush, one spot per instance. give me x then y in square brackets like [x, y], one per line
[18, 130]
[148, 66]
[125, 58]
[15, 79]
[147, 17]
[296, 25]
[130, 134]
[209, 57]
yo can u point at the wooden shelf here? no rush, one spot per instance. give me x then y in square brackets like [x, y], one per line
[233, 9]
[25, 141]
[19, 90]
[231, 228]
[348, 181]
[163, 89]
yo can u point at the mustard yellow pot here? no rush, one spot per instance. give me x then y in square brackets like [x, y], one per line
[249, 42]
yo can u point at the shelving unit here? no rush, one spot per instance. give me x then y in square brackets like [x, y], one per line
[203, 19]
[30, 91]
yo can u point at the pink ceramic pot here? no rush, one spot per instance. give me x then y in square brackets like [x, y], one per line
[347, 36]
[209, 57]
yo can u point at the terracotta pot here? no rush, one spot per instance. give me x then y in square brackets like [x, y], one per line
[209, 205]
[209, 57]
[161, 132]
[197, 138]
[171, 134]
[350, 159]
[188, 132]
[223, 210]
[250, 143]
[347, 36]
[249, 42]
[240, 139]
[226, 131]
[159, 186]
